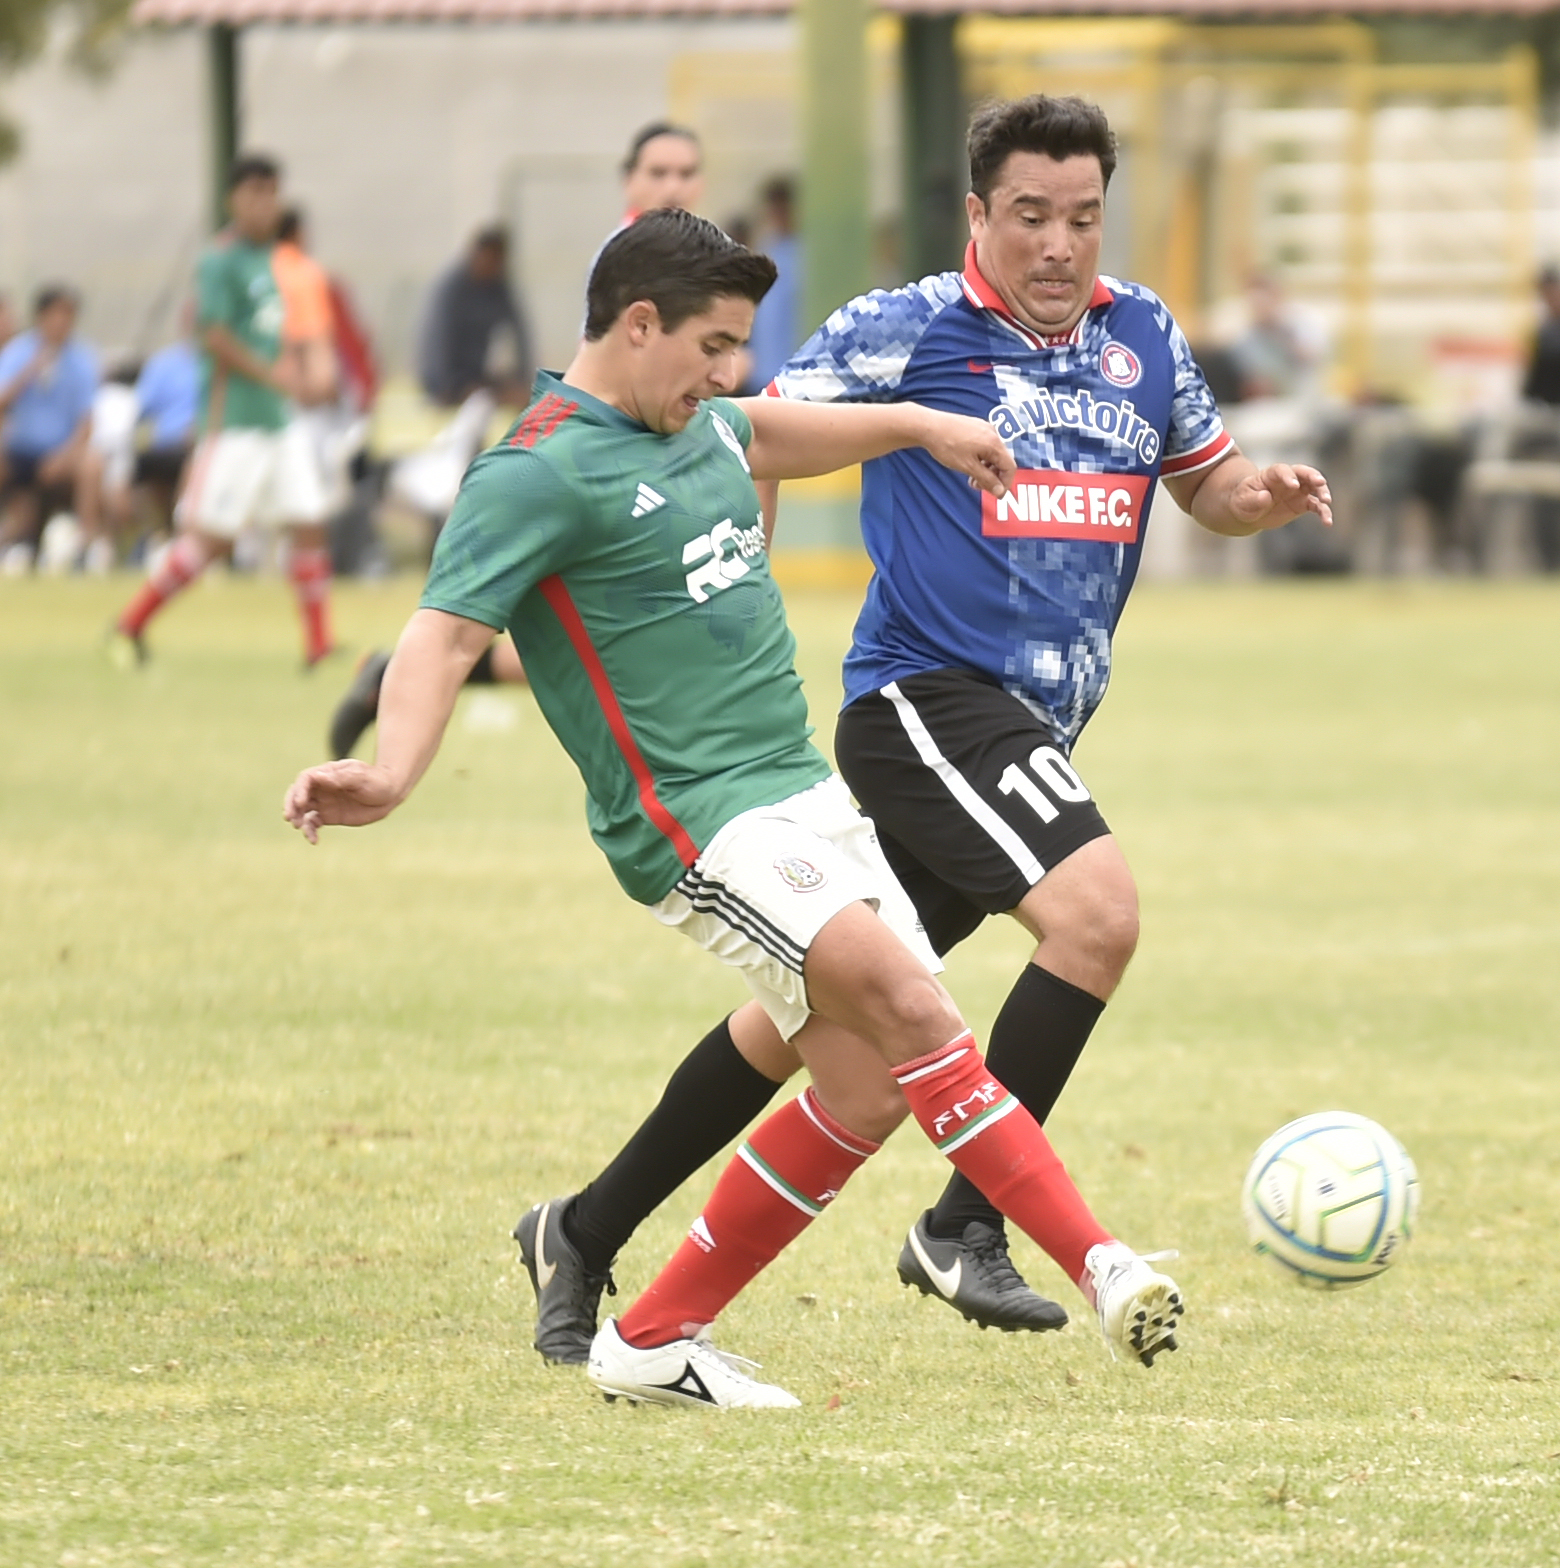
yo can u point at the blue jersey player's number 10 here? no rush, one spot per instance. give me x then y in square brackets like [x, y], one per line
[1054, 771]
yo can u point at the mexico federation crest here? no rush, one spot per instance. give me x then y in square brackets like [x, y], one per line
[1119, 365]
[801, 876]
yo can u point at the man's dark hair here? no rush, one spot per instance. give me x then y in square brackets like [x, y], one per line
[289, 226]
[649, 133]
[52, 294]
[252, 166]
[1057, 127]
[778, 192]
[494, 237]
[679, 263]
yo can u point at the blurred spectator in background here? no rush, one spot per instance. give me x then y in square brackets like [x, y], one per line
[356, 362]
[321, 417]
[1280, 352]
[166, 407]
[167, 396]
[777, 323]
[110, 466]
[47, 382]
[1541, 385]
[664, 168]
[307, 336]
[473, 337]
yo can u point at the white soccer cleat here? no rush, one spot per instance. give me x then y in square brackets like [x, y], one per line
[685, 1372]
[1139, 1307]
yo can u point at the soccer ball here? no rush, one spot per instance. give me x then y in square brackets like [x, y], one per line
[1331, 1199]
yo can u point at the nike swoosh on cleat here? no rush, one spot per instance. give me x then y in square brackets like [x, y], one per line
[544, 1269]
[946, 1280]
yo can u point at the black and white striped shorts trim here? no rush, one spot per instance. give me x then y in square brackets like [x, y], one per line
[710, 897]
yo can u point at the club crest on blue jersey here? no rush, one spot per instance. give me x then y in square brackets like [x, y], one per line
[1119, 365]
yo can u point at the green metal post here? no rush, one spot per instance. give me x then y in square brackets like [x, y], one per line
[836, 234]
[222, 70]
[935, 176]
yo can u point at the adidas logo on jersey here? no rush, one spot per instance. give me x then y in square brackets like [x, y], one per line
[647, 500]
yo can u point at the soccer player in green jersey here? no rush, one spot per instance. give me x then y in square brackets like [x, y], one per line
[251, 465]
[616, 534]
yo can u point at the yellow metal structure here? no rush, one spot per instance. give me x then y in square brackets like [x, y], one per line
[1373, 192]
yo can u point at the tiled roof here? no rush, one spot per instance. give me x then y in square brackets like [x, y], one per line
[239, 12]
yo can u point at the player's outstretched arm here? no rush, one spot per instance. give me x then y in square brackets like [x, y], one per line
[431, 663]
[1236, 498]
[795, 440]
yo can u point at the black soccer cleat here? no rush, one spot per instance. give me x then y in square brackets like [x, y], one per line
[568, 1295]
[976, 1277]
[360, 707]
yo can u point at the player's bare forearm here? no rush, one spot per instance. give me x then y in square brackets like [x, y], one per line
[429, 667]
[424, 677]
[795, 440]
[234, 357]
[1235, 498]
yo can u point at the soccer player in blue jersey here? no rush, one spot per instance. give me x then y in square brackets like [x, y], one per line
[982, 650]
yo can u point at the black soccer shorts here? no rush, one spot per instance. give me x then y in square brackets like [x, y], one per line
[973, 798]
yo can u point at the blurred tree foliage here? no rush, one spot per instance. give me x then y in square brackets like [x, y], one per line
[89, 30]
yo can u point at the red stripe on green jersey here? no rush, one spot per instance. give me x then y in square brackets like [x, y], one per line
[542, 420]
[630, 568]
[557, 596]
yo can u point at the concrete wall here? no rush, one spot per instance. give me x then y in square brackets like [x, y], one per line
[399, 141]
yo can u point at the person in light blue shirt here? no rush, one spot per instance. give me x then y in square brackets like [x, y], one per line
[777, 323]
[47, 382]
[168, 394]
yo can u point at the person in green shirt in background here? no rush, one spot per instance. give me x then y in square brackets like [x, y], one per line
[249, 465]
[616, 533]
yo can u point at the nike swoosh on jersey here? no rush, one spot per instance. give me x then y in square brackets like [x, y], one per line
[544, 1269]
[978, 369]
[946, 1280]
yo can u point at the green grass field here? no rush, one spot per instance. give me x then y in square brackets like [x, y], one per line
[268, 1113]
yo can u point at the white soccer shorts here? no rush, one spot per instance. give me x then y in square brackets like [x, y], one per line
[240, 478]
[769, 882]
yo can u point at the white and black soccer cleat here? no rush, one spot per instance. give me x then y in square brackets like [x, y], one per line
[1139, 1308]
[690, 1372]
[976, 1277]
[568, 1295]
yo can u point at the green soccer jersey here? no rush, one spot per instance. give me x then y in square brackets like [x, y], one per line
[235, 288]
[630, 569]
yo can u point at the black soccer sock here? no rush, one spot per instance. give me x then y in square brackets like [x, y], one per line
[1035, 1044]
[707, 1102]
[482, 670]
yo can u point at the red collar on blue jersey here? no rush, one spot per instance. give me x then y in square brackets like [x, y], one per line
[979, 292]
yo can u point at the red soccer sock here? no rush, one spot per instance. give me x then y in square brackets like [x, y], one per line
[309, 569]
[184, 561]
[994, 1141]
[780, 1181]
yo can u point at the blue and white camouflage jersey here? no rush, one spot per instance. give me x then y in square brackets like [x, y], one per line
[1026, 590]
